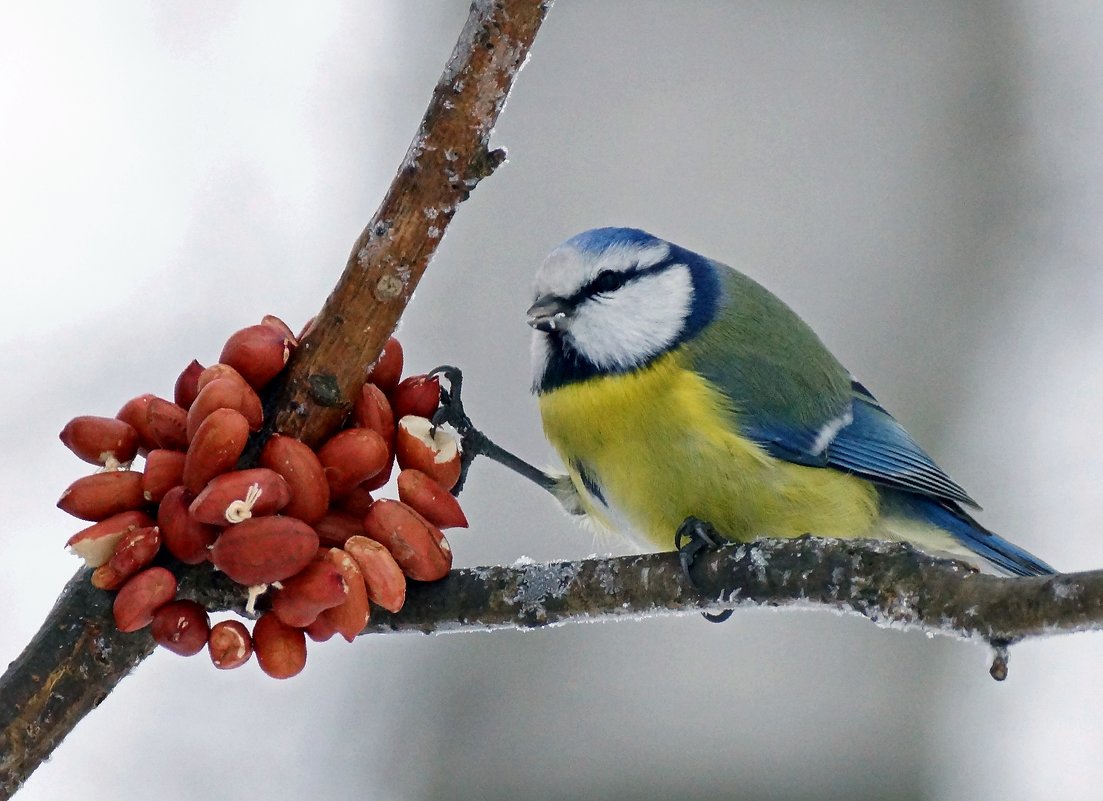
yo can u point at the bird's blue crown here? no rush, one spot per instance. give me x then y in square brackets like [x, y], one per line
[597, 240]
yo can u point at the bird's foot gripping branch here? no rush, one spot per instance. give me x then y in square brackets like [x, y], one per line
[300, 531]
[691, 538]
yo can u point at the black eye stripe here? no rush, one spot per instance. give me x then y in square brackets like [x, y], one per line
[612, 280]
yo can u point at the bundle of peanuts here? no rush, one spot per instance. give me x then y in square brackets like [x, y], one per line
[301, 528]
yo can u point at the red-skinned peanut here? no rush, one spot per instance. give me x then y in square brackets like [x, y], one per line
[96, 543]
[385, 580]
[182, 627]
[258, 352]
[164, 470]
[133, 412]
[168, 424]
[303, 597]
[224, 393]
[240, 494]
[141, 596]
[262, 550]
[387, 369]
[371, 409]
[417, 394]
[304, 474]
[187, 385]
[351, 615]
[432, 501]
[417, 545]
[101, 495]
[136, 550]
[229, 644]
[350, 457]
[184, 537]
[216, 447]
[100, 440]
[280, 649]
[434, 452]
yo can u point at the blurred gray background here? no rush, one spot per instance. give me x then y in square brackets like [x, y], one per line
[921, 181]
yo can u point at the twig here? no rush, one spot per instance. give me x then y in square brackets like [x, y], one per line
[78, 657]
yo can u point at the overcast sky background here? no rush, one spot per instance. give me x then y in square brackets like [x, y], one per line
[922, 182]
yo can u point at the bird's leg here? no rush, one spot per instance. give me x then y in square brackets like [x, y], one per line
[475, 442]
[692, 537]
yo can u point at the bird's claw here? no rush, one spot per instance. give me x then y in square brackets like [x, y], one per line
[451, 412]
[692, 537]
[451, 409]
[474, 442]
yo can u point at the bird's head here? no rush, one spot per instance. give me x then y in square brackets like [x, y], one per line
[610, 300]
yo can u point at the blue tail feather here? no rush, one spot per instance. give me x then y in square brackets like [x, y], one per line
[949, 517]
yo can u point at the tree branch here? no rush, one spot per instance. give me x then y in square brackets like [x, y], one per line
[67, 669]
[891, 584]
[78, 657]
[445, 161]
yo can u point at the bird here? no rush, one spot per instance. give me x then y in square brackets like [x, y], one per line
[674, 387]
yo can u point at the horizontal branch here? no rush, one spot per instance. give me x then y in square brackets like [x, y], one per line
[892, 584]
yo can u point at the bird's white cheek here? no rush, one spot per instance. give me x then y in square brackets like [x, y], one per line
[541, 354]
[635, 323]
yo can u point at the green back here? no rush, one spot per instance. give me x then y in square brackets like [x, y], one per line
[776, 372]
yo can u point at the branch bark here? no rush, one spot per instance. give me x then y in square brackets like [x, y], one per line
[447, 158]
[890, 583]
[78, 657]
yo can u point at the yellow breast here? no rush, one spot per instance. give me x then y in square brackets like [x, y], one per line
[661, 444]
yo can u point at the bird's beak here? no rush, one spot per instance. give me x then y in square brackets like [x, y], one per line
[550, 314]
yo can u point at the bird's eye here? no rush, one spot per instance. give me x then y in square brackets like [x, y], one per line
[607, 281]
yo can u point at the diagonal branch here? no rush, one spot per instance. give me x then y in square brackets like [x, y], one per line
[447, 158]
[78, 657]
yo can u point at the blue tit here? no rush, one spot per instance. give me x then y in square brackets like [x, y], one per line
[672, 385]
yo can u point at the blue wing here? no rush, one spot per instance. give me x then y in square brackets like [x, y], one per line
[865, 440]
[877, 447]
